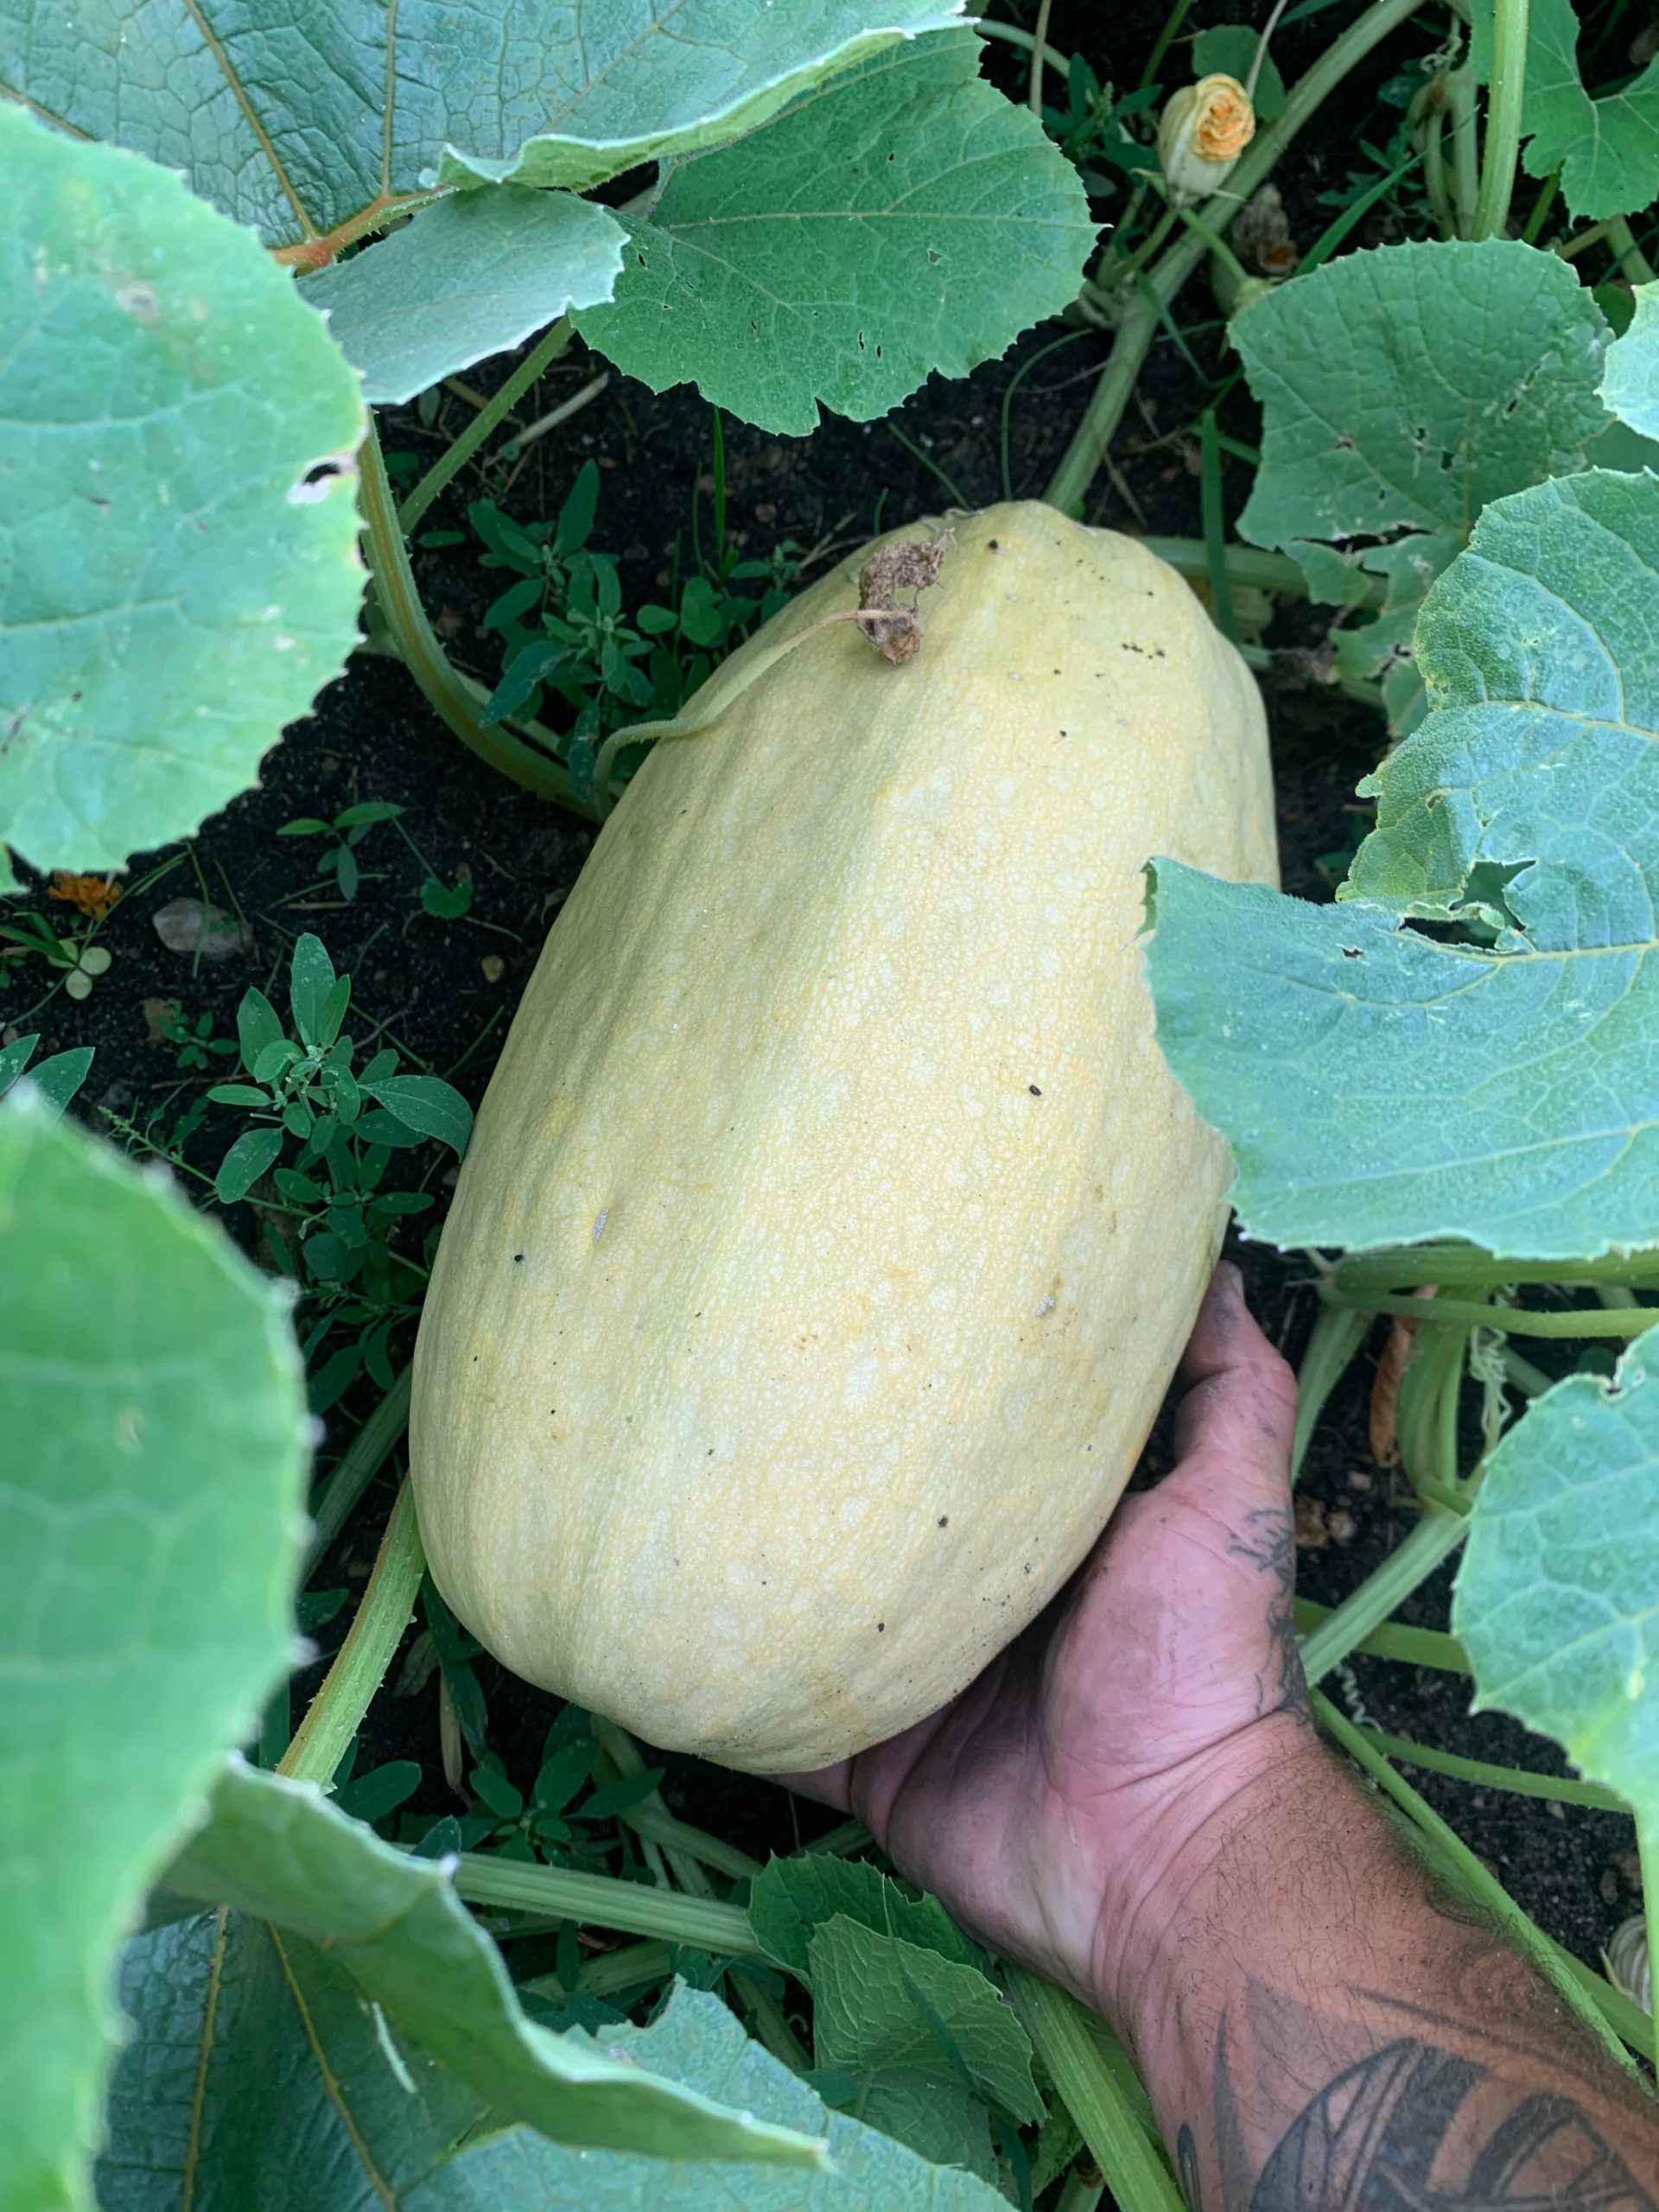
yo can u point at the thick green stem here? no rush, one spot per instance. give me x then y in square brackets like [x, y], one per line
[1514, 1320]
[1608, 2015]
[495, 410]
[447, 690]
[1013, 36]
[1435, 178]
[1414, 1647]
[1064, 2039]
[1485, 1776]
[1504, 96]
[562, 1893]
[686, 1850]
[358, 1465]
[1426, 1414]
[634, 1966]
[1466, 152]
[1632, 261]
[1213, 514]
[842, 1841]
[1246, 565]
[1540, 208]
[1079, 2196]
[1161, 45]
[1070, 484]
[1463, 1267]
[1337, 1335]
[359, 1665]
[690, 1849]
[1434, 1539]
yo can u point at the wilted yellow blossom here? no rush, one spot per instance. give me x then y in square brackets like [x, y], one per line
[1205, 129]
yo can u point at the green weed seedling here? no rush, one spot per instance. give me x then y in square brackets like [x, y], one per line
[77, 961]
[342, 1121]
[566, 631]
[443, 901]
[196, 1044]
[348, 829]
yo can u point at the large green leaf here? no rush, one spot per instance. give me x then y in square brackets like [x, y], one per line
[903, 218]
[1630, 384]
[309, 121]
[1402, 389]
[927, 2041]
[222, 2104]
[1607, 149]
[1378, 1087]
[473, 275]
[174, 588]
[1557, 1598]
[318, 125]
[149, 1530]
[393, 1924]
[793, 1897]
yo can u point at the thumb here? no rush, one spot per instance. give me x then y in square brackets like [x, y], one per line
[1240, 1406]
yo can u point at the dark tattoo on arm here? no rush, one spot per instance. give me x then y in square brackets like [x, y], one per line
[1269, 1541]
[1416, 2128]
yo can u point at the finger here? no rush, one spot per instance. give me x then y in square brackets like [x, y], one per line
[1241, 1399]
[827, 1785]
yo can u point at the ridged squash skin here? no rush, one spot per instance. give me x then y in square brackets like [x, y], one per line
[832, 1226]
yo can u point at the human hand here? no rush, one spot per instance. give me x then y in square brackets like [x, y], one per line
[1062, 1802]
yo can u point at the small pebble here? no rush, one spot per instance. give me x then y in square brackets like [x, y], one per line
[494, 967]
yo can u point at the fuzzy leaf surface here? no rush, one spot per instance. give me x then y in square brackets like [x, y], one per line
[1557, 1596]
[1402, 391]
[1607, 149]
[904, 218]
[1378, 1087]
[930, 2041]
[1630, 384]
[792, 1898]
[173, 586]
[303, 121]
[471, 275]
[149, 1531]
[383, 2124]
[276, 1850]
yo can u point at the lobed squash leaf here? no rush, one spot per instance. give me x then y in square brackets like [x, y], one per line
[296, 119]
[318, 126]
[929, 2043]
[1555, 1595]
[149, 1532]
[1606, 148]
[276, 1852]
[791, 1898]
[900, 219]
[178, 572]
[1378, 1086]
[1402, 389]
[382, 2122]
[471, 275]
[1630, 384]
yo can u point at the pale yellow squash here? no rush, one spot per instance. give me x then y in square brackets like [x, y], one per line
[832, 1226]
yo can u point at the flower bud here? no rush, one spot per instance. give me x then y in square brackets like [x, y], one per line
[1203, 129]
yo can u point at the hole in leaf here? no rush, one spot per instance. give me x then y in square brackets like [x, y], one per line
[318, 479]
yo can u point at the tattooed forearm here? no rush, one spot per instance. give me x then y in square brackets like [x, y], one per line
[1417, 2126]
[1269, 1539]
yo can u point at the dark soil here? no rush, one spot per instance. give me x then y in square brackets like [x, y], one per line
[434, 988]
